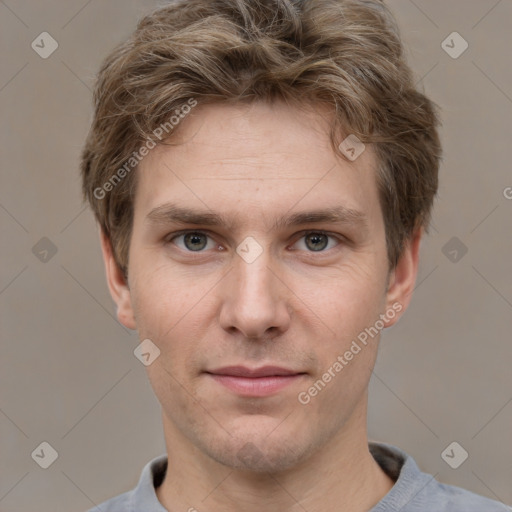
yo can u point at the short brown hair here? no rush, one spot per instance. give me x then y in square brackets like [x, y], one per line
[346, 54]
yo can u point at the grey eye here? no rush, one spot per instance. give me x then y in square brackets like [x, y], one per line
[195, 241]
[316, 241]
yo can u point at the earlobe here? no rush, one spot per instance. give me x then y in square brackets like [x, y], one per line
[403, 278]
[117, 284]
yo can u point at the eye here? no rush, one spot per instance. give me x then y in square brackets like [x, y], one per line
[317, 241]
[199, 241]
[193, 241]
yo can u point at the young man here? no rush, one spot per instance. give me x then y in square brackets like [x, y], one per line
[262, 172]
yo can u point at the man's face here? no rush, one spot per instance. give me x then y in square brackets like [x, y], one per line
[257, 290]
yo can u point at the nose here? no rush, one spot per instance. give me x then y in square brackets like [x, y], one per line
[255, 300]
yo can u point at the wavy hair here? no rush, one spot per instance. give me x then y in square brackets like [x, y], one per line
[346, 54]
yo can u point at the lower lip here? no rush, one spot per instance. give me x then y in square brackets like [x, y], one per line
[256, 386]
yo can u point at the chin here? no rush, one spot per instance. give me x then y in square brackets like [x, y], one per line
[258, 453]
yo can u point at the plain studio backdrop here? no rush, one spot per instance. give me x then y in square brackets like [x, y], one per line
[68, 375]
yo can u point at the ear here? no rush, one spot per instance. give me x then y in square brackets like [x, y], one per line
[117, 284]
[402, 279]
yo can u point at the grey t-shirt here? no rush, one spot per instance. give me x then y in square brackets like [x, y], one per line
[413, 491]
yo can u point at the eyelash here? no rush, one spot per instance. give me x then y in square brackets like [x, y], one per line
[170, 238]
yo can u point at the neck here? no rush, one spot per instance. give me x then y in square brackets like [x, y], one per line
[342, 475]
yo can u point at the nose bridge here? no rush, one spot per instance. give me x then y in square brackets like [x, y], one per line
[254, 279]
[256, 302]
[252, 262]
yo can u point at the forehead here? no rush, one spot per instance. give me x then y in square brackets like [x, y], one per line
[256, 159]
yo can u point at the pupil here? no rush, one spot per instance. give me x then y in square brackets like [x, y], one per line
[195, 241]
[319, 241]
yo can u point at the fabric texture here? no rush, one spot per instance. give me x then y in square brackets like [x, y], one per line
[414, 491]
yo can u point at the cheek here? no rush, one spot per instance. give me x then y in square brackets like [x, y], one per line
[170, 313]
[163, 298]
[345, 363]
[350, 307]
[170, 317]
[348, 301]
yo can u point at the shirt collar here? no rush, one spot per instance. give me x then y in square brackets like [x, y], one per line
[400, 467]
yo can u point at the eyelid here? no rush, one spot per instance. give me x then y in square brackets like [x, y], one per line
[176, 234]
[299, 235]
[171, 236]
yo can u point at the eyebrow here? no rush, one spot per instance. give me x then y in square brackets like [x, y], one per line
[171, 213]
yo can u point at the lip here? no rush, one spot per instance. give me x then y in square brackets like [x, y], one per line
[262, 371]
[257, 382]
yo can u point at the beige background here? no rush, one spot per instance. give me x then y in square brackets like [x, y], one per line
[67, 371]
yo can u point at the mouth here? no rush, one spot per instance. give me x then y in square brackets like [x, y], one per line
[256, 382]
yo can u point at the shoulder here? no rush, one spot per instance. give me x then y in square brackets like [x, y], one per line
[121, 503]
[416, 491]
[143, 496]
[449, 498]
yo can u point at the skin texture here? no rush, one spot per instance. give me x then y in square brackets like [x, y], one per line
[292, 307]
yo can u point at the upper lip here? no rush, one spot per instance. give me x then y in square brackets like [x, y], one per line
[243, 371]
